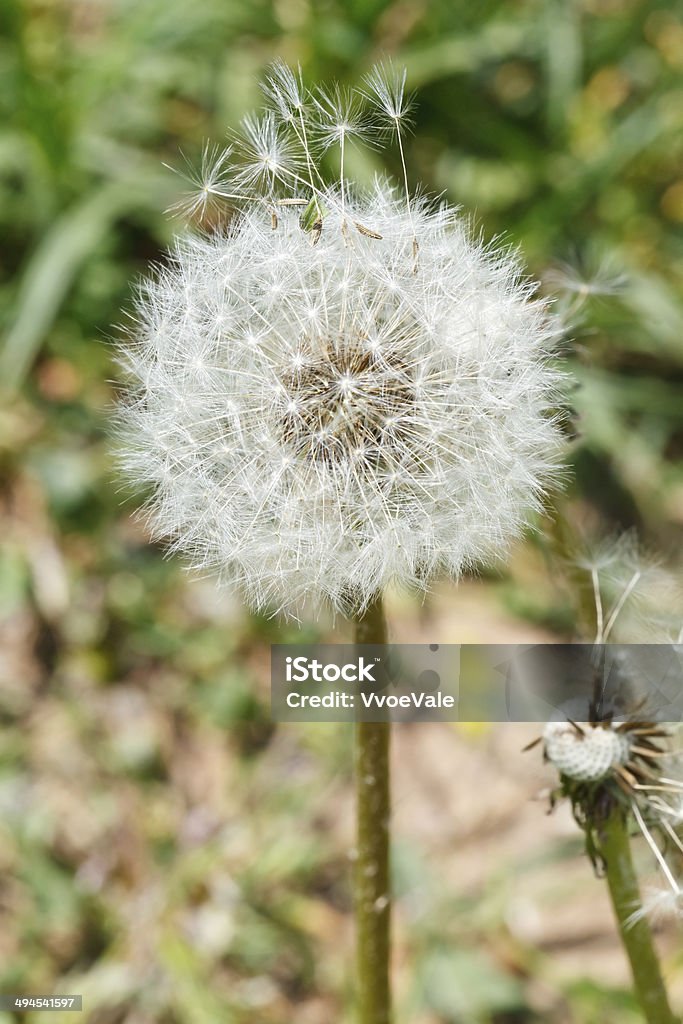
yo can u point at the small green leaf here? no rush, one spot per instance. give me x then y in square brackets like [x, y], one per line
[312, 217]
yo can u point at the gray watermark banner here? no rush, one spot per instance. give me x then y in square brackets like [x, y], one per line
[476, 682]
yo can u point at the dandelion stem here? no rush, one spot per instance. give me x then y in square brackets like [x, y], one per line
[371, 884]
[635, 932]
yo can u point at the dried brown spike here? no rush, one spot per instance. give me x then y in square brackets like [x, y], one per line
[643, 729]
[530, 746]
[620, 770]
[624, 786]
[642, 771]
[649, 744]
[316, 232]
[366, 231]
[663, 789]
[292, 202]
[647, 752]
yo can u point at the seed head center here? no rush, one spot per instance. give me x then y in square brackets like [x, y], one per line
[345, 401]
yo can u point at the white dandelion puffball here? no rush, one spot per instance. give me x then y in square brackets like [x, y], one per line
[324, 404]
[585, 752]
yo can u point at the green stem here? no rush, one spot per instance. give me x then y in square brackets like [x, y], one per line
[635, 936]
[371, 884]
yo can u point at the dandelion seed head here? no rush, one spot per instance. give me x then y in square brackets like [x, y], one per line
[317, 412]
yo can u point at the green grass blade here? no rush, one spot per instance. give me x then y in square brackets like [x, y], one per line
[51, 272]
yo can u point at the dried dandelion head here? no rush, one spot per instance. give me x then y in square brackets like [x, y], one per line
[585, 751]
[610, 747]
[631, 766]
[336, 389]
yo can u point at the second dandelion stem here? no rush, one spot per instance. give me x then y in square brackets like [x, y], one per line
[635, 933]
[371, 883]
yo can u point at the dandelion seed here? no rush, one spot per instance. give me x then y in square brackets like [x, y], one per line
[210, 186]
[386, 87]
[602, 279]
[659, 905]
[267, 158]
[340, 120]
[339, 117]
[634, 597]
[284, 89]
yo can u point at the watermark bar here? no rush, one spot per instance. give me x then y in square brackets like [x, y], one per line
[476, 682]
[28, 1002]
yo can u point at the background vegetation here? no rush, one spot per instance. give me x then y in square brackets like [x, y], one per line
[164, 848]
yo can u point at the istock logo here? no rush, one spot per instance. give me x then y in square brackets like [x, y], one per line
[301, 670]
[322, 682]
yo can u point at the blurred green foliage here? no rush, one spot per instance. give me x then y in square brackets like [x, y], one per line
[163, 848]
